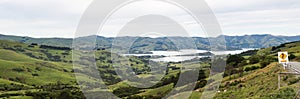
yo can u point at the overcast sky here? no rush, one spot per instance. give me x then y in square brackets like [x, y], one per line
[59, 18]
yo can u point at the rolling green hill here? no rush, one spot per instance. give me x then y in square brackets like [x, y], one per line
[31, 70]
[47, 71]
[145, 44]
[28, 69]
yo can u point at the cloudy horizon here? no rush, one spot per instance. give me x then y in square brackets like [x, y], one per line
[48, 18]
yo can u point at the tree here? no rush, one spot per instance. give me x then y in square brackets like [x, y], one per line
[200, 84]
[273, 48]
[234, 60]
[201, 75]
[228, 70]
[254, 59]
[66, 94]
[292, 56]
[266, 61]
[241, 67]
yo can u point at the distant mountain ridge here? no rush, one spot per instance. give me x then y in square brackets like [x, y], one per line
[144, 44]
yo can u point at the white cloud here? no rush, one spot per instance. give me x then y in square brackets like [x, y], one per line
[239, 17]
[59, 18]
[41, 18]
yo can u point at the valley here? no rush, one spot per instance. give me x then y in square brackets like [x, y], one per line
[38, 71]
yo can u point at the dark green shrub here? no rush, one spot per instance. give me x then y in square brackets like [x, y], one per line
[251, 68]
[264, 63]
[254, 59]
[286, 93]
[126, 91]
[18, 69]
[293, 80]
[292, 56]
[35, 74]
[200, 84]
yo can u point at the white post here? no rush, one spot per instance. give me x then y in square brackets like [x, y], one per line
[278, 81]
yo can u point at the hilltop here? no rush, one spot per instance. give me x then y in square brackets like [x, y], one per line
[145, 44]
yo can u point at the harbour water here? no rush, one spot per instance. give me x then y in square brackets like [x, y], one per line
[187, 54]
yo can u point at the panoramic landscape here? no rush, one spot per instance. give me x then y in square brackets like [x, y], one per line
[32, 69]
[149, 49]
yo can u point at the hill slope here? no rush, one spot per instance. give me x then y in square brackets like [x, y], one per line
[145, 44]
[47, 71]
[263, 83]
[33, 70]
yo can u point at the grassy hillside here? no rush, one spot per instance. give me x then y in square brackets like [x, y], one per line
[262, 83]
[32, 70]
[29, 70]
[16, 65]
[13, 56]
[47, 71]
[254, 75]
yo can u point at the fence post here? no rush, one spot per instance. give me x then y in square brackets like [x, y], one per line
[278, 81]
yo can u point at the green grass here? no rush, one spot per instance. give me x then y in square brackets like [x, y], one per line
[118, 85]
[45, 74]
[5, 81]
[261, 83]
[157, 91]
[255, 84]
[13, 56]
[195, 95]
[21, 97]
